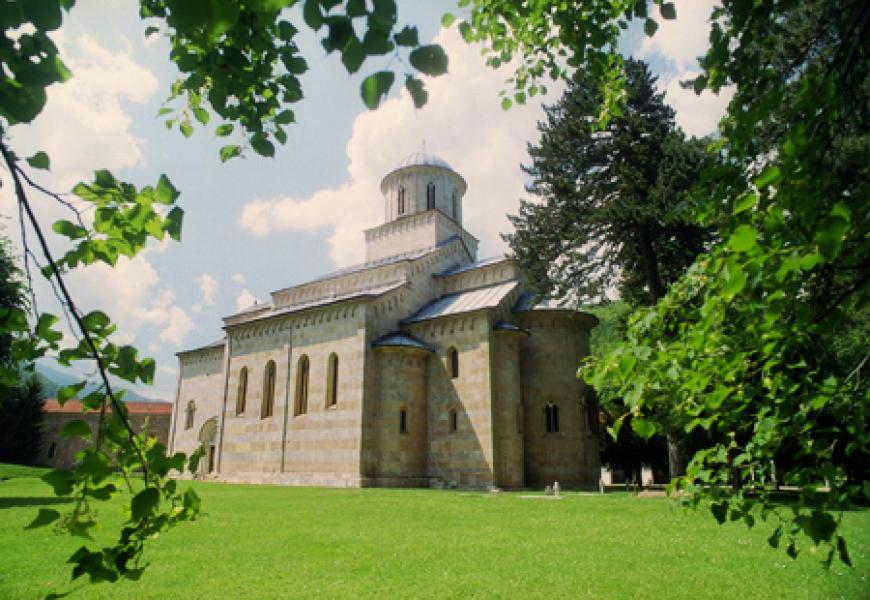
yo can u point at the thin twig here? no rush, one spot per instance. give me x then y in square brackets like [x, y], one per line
[22, 199]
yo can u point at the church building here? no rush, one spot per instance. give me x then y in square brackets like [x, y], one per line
[421, 366]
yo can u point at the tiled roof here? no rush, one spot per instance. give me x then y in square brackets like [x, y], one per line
[461, 302]
[462, 268]
[397, 338]
[423, 159]
[326, 300]
[215, 344]
[134, 408]
[532, 301]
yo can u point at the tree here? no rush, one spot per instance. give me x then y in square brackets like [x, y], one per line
[21, 421]
[237, 60]
[733, 347]
[615, 210]
[610, 215]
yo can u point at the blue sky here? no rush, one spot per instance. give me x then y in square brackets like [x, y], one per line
[255, 225]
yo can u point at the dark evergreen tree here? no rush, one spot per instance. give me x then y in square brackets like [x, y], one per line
[610, 204]
[20, 400]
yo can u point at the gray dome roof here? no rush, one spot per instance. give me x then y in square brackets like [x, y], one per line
[419, 159]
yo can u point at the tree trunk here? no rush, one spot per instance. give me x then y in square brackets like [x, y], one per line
[650, 265]
[675, 458]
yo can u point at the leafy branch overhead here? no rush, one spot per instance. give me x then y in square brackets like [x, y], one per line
[240, 60]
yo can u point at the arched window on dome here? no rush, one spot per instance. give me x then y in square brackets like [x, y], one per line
[401, 204]
[455, 207]
[430, 196]
[301, 404]
[551, 415]
[268, 390]
[242, 398]
[453, 420]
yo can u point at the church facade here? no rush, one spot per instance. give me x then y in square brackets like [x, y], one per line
[421, 366]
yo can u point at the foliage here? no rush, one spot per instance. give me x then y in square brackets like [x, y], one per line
[21, 421]
[236, 60]
[735, 347]
[612, 204]
[376, 543]
[11, 297]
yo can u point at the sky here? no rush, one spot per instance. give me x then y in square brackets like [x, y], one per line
[256, 224]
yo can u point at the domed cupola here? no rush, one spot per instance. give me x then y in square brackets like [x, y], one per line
[423, 182]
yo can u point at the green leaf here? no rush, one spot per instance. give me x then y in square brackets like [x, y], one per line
[699, 84]
[770, 175]
[720, 511]
[643, 428]
[375, 87]
[744, 203]
[39, 161]
[831, 232]
[96, 321]
[201, 115]
[285, 117]
[60, 480]
[506, 103]
[172, 223]
[224, 130]
[68, 392]
[70, 230]
[43, 518]
[165, 193]
[743, 238]
[668, 11]
[262, 146]
[44, 14]
[447, 20]
[76, 429]
[407, 37]
[417, 90]
[430, 60]
[144, 503]
[228, 152]
[186, 129]
[650, 27]
[312, 15]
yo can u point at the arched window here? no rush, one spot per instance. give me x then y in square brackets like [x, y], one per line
[51, 449]
[551, 414]
[455, 207]
[430, 196]
[453, 420]
[242, 398]
[268, 390]
[188, 421]
[332, 381]
[401, 206]
[403, 421]
[453, 358]
[301, 404]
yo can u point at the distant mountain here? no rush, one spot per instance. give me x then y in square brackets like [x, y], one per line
[53, 379]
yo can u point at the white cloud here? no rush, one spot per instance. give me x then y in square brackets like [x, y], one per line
[462, 123]
[244, 300]
[239, 278]
[684, 39]
[697, 115]
[208, 285]
[84, 122]
[177, 328]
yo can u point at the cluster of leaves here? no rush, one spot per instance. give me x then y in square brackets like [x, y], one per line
[240, 59]
[740, 347]
[553, 40]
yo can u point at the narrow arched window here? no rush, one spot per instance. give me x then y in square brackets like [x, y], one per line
[188, 421]
[430, 196]
[332, 381]
[403, 421]
[455, 207]
[301, 404]
[453, 358]
[401, 206]
[269, 390]
[51, 449]
[453, 420]
[551, 415]
[242, 397]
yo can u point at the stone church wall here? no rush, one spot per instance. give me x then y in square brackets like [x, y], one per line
[201, 381]
[507, 411]
[549, 358]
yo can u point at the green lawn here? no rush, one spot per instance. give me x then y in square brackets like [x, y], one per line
[274, 542]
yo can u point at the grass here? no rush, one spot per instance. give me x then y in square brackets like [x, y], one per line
[279, 542]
